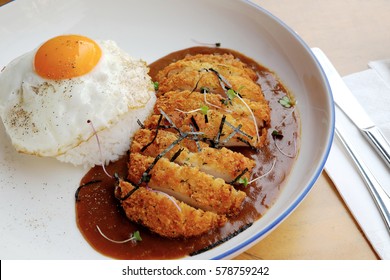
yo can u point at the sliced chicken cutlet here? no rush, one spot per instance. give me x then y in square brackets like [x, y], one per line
[217, 128]
[187, 184]
[227, 62]
[220, 163]
[166, 216]
[179, 162]
[146, 141]
[227, 65]
[212, 71]
[187, 101]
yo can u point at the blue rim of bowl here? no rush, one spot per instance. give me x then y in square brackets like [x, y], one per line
[320, 167]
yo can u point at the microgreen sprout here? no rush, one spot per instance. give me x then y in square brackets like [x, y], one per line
[284, 153]
[217, 44]
[243, 181]
[166, 195]
[265, 174]
[240, 179]
[134, 237]
[289, 115]
[187, 112]
[286, 102]
[137, 236]
[204, 109]
[155, 85]
[206, 91]
[99, 147]
[231, 93]
[277, 134]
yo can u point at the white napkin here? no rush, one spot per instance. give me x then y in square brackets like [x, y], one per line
[372, 89]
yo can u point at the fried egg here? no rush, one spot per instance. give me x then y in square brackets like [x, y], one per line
[49, 97]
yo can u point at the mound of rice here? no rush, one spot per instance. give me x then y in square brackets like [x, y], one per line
[114, 141]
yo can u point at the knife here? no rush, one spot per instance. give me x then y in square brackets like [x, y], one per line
[381, 198]
[345, 100]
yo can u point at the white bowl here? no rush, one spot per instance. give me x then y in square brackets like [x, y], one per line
[37, 195]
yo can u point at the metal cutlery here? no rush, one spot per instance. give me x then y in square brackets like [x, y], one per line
[381, 198]
[345, 100]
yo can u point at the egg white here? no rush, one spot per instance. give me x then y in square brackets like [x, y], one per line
[48, 117]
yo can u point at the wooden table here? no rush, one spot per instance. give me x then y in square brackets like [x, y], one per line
[351, 33]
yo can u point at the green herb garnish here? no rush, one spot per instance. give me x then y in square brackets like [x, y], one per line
[136, 236]
[231, 93]
[204, 109]
[286, 102]
[155, 84]
[277, 134]
[243, 181]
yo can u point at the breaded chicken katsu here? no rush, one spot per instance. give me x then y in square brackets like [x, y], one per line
[184, 179]
[165, 217]
[213, 72]
[219, 163]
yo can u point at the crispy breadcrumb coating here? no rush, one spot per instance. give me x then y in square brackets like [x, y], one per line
[187, 183]
[220, 163]
[165, 217]
[187, 101]
[201, 71]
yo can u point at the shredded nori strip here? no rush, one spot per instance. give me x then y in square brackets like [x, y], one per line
[239, 131]
[224, 83]
[230, 136]
[197, 83]
[155, 136]
[223, 240]
[123, 198]
[247, 142]
[170, 121]
[226, 86]
[146, 176]
[196, 139]
[140, 123]
[206, 119]
[84, 185]
[176, 155]
[216, 140]
[238, 177]
[194, 123]
[117, 182]
[160, 155]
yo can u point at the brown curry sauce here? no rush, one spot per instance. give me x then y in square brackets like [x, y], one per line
[96, 204]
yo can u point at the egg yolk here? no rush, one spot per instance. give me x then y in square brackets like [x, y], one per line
[66, 57]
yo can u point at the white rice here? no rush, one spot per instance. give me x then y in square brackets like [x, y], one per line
[114, 141]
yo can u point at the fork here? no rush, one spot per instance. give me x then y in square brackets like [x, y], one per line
[381, 198]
